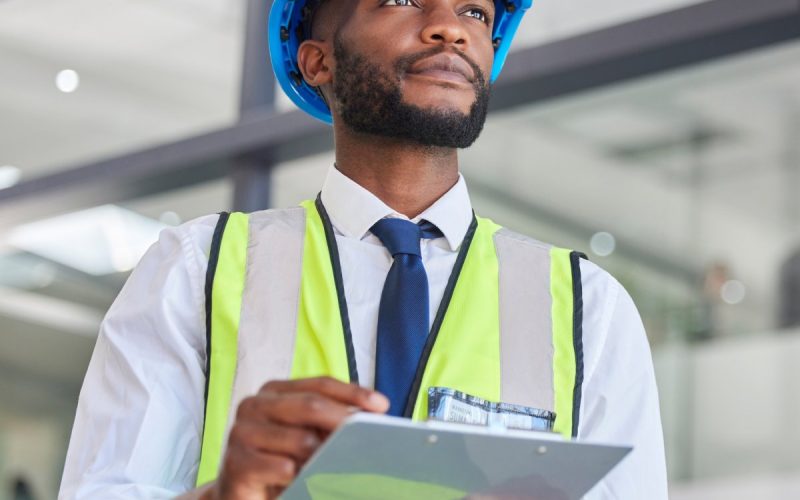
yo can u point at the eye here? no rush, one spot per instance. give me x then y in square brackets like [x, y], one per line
[398, 3]
[478, 13]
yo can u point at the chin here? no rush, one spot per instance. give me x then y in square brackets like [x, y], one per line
[442, 105]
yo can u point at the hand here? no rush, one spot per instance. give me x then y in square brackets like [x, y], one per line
[278, 429]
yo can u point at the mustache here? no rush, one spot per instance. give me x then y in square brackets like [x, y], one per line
[403, 63]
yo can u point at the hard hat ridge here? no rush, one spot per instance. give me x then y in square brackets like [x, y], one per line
[290, 24]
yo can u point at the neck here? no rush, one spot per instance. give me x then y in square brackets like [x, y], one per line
[408, 177]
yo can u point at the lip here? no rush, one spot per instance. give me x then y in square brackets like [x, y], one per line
[445, 67]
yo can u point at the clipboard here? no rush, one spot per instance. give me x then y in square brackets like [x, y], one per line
[389, 458]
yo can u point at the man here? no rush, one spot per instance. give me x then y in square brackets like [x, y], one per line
[225, 361]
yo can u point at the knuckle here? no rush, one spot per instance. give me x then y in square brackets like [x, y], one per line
[357, 393]
[277, 433]
[232, 465]
[312, 403]
[240, 436]
[326, 383]
[245, 408]
[236, 436]
[270, 386]
[283, 468]
[306, 440]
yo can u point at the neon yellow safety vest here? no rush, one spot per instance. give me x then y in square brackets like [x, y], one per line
[509, 328]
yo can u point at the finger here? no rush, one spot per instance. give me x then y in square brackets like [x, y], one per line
[351, 394]
[303, 409]
[274, 492]
[247, 472]
[298, 409]
[266, 437]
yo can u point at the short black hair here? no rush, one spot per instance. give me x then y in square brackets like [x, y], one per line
[308, 15]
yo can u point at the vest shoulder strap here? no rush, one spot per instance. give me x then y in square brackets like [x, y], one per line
[223, 291]
[234, 235]
[541, 289]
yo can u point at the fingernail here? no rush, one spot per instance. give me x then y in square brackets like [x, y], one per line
[312, 441]
[377, 399]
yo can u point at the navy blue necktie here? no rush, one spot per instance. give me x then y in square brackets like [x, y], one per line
[403, 313]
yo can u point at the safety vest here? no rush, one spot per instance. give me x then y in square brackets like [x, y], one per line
[509, 327]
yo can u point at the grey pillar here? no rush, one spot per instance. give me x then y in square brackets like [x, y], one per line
[251, 175]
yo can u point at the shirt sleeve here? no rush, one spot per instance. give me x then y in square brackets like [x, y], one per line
[140, 414]
[620, 398]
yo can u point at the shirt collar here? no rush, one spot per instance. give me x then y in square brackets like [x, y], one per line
[353, 209]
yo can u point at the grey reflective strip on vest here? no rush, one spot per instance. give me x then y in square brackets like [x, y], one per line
[526, 338]
[269, 312]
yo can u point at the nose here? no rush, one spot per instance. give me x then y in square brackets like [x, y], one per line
[443, 26]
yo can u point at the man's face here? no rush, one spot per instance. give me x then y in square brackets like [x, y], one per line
[415, 69]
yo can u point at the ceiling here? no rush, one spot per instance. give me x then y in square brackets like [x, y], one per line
[150, 71]
[153, 71]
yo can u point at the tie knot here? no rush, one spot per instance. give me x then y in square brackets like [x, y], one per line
[401, 236]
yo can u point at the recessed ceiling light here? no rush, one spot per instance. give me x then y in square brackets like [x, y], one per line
[67, 80]
[9, 175]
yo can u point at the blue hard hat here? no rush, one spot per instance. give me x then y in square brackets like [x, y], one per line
[287, 31]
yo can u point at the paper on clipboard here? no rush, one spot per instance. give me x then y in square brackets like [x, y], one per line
[389, 458]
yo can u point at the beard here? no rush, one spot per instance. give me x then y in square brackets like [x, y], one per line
[370, 101]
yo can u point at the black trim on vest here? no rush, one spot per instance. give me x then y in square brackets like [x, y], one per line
[577, 336]
[437, 322]
[213, 259]
[333, 250]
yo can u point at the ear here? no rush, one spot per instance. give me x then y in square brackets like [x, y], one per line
[312, 61]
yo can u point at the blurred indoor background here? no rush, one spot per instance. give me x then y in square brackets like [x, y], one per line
[662, 137]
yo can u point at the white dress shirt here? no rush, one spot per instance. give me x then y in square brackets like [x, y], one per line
[140, 415]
